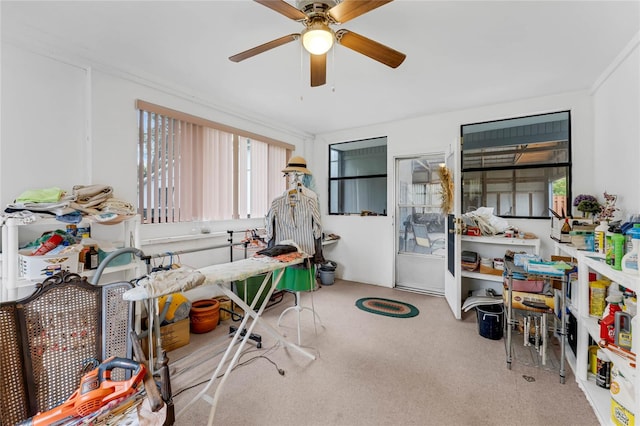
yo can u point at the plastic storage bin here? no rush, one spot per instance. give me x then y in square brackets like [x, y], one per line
[253, 285]
[42, 267]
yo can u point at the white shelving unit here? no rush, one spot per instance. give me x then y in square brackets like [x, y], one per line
[126, 234]
[599, 398]
[494, 247]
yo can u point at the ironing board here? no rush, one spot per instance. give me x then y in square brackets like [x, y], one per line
[222, 276]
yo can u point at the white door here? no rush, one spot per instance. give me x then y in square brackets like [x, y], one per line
[452, 268]
[420, 239]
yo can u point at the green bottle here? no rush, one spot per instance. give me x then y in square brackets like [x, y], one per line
[618, 250]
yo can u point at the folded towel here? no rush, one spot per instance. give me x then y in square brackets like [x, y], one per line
[45, 195]
[92, 195]
[118, 206]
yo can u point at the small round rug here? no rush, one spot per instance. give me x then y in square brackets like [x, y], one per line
[387, 307]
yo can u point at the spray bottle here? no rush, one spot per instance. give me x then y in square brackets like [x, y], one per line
[630, 260]
[607, 324]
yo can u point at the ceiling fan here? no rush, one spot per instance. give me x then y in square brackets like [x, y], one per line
[318, 37]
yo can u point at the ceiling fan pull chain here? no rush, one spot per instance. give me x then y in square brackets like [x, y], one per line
[301, 72]
[333, 69]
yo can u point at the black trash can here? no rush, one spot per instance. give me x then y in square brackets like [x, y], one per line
[490, 321]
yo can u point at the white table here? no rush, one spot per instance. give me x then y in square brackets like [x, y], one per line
[222, 276]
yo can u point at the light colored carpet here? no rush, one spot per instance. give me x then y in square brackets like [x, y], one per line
[374, 370]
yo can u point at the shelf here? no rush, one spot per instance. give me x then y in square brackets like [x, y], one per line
[110, 269]
[593, 328]
[588, 326]
[624, 279]
[595, 262]
[570, 357]
[479, 276]
[126, 232]
[599, 399]
[529, 242]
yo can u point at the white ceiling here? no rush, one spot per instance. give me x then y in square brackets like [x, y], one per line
[460, 54]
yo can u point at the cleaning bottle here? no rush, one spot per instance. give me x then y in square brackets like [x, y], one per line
[618, 250]
[622, 391]
[607, 324]
[622, 325]
[603, 375]
[609, 256]
[630, 260]
[597, 296]
[599, 233]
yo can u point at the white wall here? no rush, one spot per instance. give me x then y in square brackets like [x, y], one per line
[65, 123]
[43, 123]
[616, 103]
[366, 251]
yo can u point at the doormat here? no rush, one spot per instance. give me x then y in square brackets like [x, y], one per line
[387, 307]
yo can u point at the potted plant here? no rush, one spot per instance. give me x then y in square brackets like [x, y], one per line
[587, 204]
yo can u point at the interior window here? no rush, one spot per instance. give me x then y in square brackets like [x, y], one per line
[521, 167]
[358, 177]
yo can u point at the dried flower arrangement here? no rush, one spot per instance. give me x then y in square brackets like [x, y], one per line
[446, 189]
[608, 209]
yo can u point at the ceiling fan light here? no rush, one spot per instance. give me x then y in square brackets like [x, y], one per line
[317, 39]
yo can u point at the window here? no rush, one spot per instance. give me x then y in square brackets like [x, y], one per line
[192, 169]
[521, 167]
[358, 177]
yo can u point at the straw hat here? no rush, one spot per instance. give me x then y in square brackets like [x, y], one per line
[297, 164]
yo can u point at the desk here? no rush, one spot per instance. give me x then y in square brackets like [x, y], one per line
[222, 276]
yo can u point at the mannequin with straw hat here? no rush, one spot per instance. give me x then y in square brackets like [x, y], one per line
[297, 164]
[295, 216]
[300, 176]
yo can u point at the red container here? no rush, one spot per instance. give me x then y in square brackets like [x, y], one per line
[48, 245]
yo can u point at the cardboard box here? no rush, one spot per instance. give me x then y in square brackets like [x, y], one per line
[529, 301]
[174, 336]
[491, 271]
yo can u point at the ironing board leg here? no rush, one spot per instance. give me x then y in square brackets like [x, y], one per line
[249, 313]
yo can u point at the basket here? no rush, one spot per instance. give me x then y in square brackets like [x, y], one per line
[42, 267]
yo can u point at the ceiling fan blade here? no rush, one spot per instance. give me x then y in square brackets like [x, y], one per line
[318, 69]
[283, 8]
[264, 47]
[370, 48]
[349, 9]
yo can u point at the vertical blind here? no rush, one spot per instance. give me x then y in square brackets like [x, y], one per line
[193, 169]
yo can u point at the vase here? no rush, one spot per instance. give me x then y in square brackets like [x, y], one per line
[204, 315]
